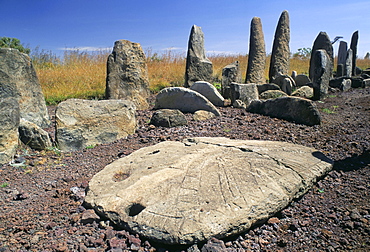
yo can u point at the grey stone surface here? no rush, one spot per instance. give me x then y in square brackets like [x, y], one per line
[302, 80]
[34, 136]
[322, 41]
[186, 193]
[343, 83]
[257, 54]
[342, 52]
[230, 73]
[9, 122]
[353, 46]
[202, 115]
[209, 91]
[272, 94]
[348, 65]
[239, 104]
[183, 99]
[82, 123]
[285, 82]
[18, 74]
[168, 118]
[304, 92]
[127, 74]
[198, 66]
[322, 72]
[244, 92]
[280, 55]
[267, 86]
[294, 109]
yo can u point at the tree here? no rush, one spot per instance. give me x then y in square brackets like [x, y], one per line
[303, 53]
[15, 43]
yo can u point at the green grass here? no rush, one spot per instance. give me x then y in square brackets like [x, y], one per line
[3, 185]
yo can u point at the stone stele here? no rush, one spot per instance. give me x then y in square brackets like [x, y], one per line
[187, 192]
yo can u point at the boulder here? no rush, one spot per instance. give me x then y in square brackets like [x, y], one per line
[302, 80]
[230, 73]
[244, 92]
[343, 83]
[168, 118]
[323, 42]
[16, 70]
[183, 99]
[34, 136]
[322, 72]
[239, 104]
[202, 115]
[127, 74]
[357, 82]
[294, 109]
[280, 55]
[9, 122]
[257, 54]
[304, 91]
[198, 66]
[267, 86]
[285, 82]
[187, 192]
[353, 46]
[272, 94]
[82, 123]
[209, 91]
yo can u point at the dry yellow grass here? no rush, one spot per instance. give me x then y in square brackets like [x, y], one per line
[82, 75]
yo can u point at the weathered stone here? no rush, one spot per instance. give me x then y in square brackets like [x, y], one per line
[285, 82]
[216, 187]
[294, 75]
[257, 54]
[342, 83]
[322, 41]
[267, 86]
[304, 91]
[340, 71]
[302, 80]
[183, 99]
[127, 74]
[9, 122]
[214, 245]
[202, 115]
[366, 83]
[168, 118]
[280, 55]
[348, 65]
[244, 92]
[209, 91]
[322, 72]
[353, 46]
[272, 94]
[357, 82]
[342, 52]
[198, 66]
[16, 69]
[82, 123]
[34, 136]
[239, 104]
[294, 109]
[230, 73]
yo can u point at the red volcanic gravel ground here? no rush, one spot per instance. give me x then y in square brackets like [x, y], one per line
[41, 202]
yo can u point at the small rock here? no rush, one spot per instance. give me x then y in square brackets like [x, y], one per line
[273, 220]
[89, 216]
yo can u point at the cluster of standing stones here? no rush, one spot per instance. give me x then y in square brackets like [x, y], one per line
[82, 123]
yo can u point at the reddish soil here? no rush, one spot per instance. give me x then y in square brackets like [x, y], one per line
[41, 202]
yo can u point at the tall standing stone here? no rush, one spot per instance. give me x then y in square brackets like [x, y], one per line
[16, 70]
[198, 66]
[280, 51]
[354, 41]
[348, 64]
[257, 54]
[342, 55]
[127, 74]
[322, 41]
[322, 71]
[230, 73]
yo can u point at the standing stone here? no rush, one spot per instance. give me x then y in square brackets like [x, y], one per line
[127, 74]
[9, 122]
[322, 71]
[16, 70]
[280, 51]
[230, 73]
[243, 92]
[257, 54]
[198, 66]
[342, 52]
[354, 41]
[322, 41]
[348, 64]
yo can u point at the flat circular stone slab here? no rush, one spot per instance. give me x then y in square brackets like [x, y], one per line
[187, 192]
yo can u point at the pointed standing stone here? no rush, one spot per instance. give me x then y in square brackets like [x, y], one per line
[280, 51]
[322, 71]
[322, 41]
[257, 54]
[127, 74]
[198, 67]
[354, 41]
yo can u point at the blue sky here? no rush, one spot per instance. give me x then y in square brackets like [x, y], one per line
[163, 24]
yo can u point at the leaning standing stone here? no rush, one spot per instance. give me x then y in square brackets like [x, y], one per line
[257, 54]
[127, 74]
[16, 70]
[322, 71]
[322, 41]
[280, 51]
[354, 41]
[198, 66]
